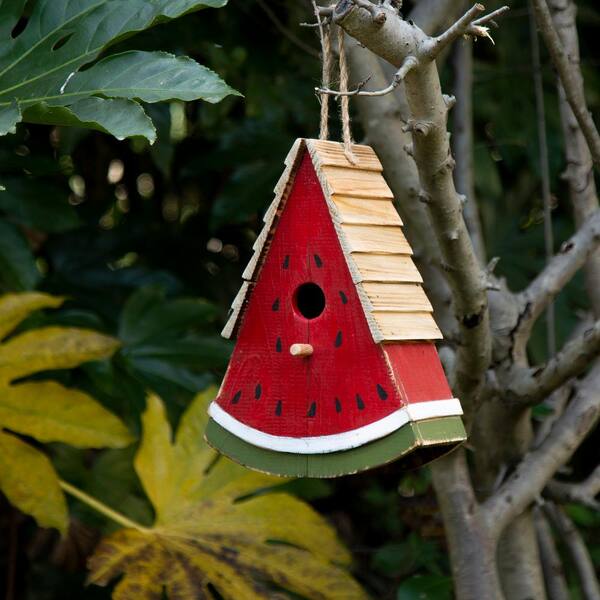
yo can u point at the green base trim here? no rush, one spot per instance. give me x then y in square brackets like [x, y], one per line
[416, 444]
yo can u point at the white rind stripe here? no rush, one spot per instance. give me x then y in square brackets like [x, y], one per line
[340, 441]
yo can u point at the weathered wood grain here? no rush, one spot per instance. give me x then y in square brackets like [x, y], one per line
[365, 211]
[381, 239]
[400, 297]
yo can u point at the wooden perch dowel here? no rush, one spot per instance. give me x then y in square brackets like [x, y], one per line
[301, 349]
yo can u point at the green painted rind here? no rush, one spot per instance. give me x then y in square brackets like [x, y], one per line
[413, 445]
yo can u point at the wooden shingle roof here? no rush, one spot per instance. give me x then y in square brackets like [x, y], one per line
[370, 233]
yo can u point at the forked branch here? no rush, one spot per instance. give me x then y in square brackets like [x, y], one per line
[557, 273]
[467, 25]
[530, 477]
[530, 386]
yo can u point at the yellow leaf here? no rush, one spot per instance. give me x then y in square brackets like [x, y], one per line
[52, 348]
[211, 527]
[30, 483]
[15, 307]
[50, 412]
[154, 461]
[46, 410]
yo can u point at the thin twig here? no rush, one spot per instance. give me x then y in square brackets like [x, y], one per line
[410, 63]
[544, 171]
[569, 76]
[285, 31]
[489, 18]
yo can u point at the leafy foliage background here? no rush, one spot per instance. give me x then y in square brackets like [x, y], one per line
[147, 242]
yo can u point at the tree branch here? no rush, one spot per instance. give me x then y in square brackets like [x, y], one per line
[583, 493]
[468, 25]
[554, 575]
[538, 466]
[579, 173]
[570, 77]
[462, 142]
[577, 549]
[471, 548]
[530, 386]
[555, 275]
[410, 62]
[394, 41]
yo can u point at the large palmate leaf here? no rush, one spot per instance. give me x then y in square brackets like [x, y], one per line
[41, 80]
[46, 410]
[213, 529]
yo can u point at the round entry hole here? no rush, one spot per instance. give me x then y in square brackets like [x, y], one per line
[309, 300]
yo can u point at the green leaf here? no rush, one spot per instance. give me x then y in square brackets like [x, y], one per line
[147, 76]
[52, 348]
[10, 115]
[38, 204]
[30, 483]
[50, 412]
[119, 117]
[42, 63]
[213, 526]
[18, 271]
[147, 314]
[425, 587]
[16, 307]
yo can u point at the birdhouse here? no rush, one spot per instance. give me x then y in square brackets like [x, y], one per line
[335, 369]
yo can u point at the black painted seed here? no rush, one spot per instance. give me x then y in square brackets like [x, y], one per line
[338, 405]
[278, 408]
[359, 402]
[275, 306]
[343, 297]
[286, 261]
[278, 345]
[318, 261]
[236, 397]
[312, 411]
[257, 391]
[381, 392]
[338, 339]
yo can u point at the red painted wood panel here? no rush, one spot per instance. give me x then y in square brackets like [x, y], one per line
[418, 371]
[346, 383]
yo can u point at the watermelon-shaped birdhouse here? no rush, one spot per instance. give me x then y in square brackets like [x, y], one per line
[334, 370]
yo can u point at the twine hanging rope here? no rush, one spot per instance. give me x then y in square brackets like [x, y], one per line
[345, 100]
[325, 36]
[326, 54]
